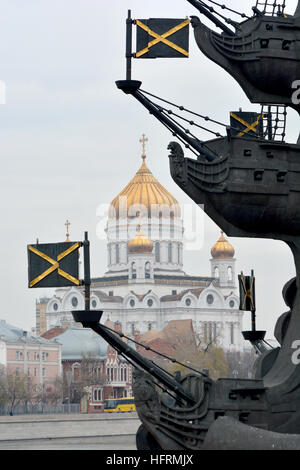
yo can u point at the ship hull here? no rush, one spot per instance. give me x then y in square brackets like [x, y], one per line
[253, 190]
[263, 57]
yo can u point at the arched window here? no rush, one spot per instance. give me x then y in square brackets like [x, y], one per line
[160, 226]
[179, 248]
[217, 273]
[229, 272]
[170, 252]
[109, 254]
[117, 253]
[157, 252]
[172, 228]
[133, 270]
[147, 270]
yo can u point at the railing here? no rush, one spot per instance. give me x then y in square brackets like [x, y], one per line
[271, 7]
[40, 409]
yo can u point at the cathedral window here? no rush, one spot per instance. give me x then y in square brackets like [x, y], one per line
[217, 273]
[157, 252]
[132, 303]
[210, 299]
[109, 254]
[229, 272]
[231, 304]
[133, 270]
[170, 252]
[188, 302]
[147, 270]
[55, 307]
[117, 253]
[179, 253]
[74, 301]
[172, 228]
[94, 303]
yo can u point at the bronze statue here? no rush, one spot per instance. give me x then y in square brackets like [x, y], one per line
[249, 183]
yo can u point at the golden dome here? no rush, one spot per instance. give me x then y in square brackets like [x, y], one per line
[143, 196]
[222, 249]
[140, 243]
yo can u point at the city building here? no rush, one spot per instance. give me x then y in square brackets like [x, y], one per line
[89, 359]
[40, 312]
[24, 354]
[145, 285]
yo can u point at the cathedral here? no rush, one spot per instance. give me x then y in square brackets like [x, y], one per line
[145, 285]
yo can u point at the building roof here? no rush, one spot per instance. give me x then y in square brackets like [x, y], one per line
[13, 334]
[140, 243]
[53, 332]
[176, 335]
[180, 295]
[143, 190]
[80, 342]
[222, 249]
[103, 297]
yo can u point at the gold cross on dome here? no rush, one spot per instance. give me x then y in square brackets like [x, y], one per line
[67, 224]
[143, 141]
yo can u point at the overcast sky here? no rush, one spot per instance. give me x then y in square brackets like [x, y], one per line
[69, 139]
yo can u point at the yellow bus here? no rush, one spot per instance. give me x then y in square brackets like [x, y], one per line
[119, 405]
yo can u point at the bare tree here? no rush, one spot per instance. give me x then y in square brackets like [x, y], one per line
[3, 387]
[90, 373]
[16, 390]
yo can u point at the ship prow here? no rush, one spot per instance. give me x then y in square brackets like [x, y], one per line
[263, 55]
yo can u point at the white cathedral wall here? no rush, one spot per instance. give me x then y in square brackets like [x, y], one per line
[121, 231]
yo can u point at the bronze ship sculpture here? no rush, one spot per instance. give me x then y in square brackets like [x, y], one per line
[249, 183]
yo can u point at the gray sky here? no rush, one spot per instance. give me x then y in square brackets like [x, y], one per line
[69, 139]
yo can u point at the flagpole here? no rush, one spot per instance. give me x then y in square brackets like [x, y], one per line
[128, 45]
[253, 311]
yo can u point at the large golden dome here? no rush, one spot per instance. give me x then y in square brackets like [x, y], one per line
[222, 249]
[142, 196]
[140, 243]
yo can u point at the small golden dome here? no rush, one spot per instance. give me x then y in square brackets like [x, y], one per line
[145, 196]
[222, 249]
[140, 243]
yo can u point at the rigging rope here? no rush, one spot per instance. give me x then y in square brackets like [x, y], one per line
[182, 108]
[165, 390]
[212, 10]
[224, 7]
[148, 348]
